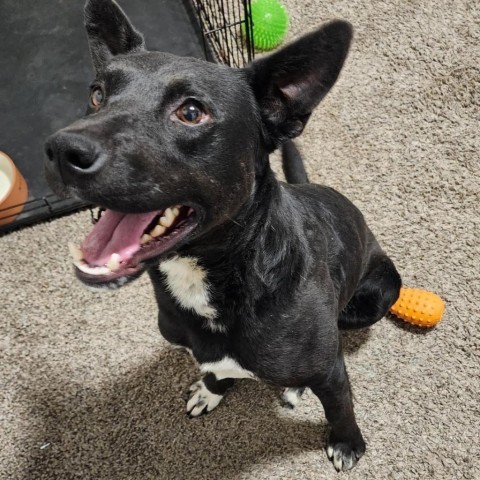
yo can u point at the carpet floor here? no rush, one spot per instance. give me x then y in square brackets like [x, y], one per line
[90, 390]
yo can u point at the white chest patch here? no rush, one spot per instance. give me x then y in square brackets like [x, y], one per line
[187, 282]
[226, 368]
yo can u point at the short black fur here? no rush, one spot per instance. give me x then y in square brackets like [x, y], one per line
[287, 264]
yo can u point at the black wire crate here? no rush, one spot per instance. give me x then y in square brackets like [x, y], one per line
[227, 30]
[215, 30]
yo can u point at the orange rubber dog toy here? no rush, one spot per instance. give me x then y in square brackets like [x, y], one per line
[420, 307]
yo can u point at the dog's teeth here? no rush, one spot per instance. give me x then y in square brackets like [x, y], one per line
[145, 238]
[75, 252]
[114, 263]
[168, 217]
[81, 265]
[176, 211]
[158, 230]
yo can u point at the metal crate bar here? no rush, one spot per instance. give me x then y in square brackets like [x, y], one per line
[39, 208]
[226, 26]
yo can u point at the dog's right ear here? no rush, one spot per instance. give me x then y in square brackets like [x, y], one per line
[109, 32]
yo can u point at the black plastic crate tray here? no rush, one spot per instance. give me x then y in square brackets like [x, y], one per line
[45, 71]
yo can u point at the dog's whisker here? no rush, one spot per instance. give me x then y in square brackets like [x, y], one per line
[236, 223]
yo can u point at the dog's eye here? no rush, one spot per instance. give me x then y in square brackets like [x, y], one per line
[191, 113]
[96, 97]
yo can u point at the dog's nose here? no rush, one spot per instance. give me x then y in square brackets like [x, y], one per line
[74, 152]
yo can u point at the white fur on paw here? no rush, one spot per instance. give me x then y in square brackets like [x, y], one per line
[337, 460]
[330, 452]
[342, 460]
[202, 399]
[291, 397]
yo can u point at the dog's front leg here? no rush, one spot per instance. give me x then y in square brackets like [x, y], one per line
[206, 394]
[346, 444]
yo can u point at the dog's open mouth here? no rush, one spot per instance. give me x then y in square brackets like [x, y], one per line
[119, 243]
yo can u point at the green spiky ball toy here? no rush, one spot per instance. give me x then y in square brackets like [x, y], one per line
[270, 24]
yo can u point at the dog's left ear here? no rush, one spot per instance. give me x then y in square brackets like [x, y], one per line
[109, 32]
[290, 83]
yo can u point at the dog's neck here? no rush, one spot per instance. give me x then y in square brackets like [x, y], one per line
[260, 247]
[236, 230]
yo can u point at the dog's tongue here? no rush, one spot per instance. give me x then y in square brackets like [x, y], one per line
[115, 233]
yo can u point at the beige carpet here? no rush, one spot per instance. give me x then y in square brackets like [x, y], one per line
[91, 391]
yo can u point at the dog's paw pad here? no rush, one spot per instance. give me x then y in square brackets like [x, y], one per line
[291, 397]
[202, 400]
[343, 456]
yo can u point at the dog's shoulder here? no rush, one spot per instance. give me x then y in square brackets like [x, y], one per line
[322, 205]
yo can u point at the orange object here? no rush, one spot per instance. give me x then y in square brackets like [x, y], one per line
[13, 190]
[419, 307]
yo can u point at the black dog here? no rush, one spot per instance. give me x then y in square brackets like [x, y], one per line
[253, 275]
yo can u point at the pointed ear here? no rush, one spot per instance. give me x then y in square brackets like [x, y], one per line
[109, 32]
[291, 82]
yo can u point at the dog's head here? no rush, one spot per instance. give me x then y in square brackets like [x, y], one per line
[171, 147]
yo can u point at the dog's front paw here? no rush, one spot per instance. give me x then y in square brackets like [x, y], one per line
[345, 454]
[202, 400]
